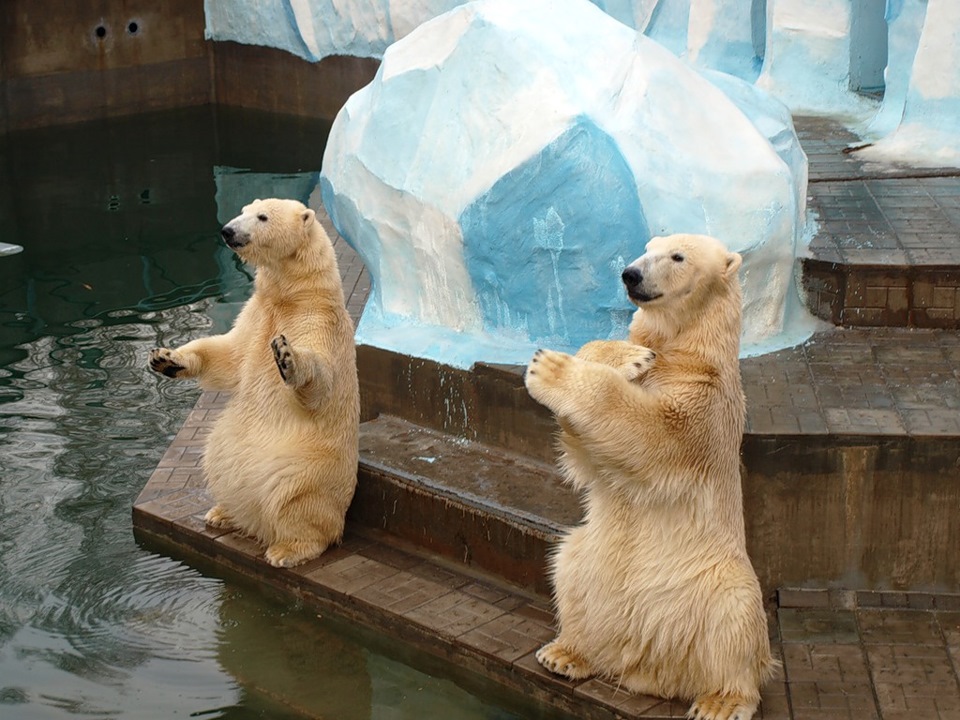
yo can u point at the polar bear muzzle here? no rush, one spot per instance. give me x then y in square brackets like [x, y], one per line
[633, 282]
[233, 239]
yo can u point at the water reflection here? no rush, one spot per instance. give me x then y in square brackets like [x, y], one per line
[118, 221]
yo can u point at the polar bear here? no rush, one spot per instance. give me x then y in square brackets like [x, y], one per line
[281, 461]
[655, 589]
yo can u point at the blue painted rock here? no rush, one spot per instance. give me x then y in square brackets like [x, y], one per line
[510, 158]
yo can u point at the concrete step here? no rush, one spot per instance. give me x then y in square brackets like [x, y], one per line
[886, 252]
[473, 503]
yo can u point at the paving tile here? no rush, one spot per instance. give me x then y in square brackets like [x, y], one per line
[351, 545]
[441, 575]
[868, 421]
[828, 699]
[195, 523]
[774, 705]
[387, 555]
[664, 709]
[950, 627]
[907, 627]
[624, 703]
[486, 592]
[242, 544]
[817, 626]
[917, 701]
[351, 574]
[801, 598]
[539, 611]
[508, 637]
[401, 592]
[825, 663]
[454, 614]
[177, 504]
[911, 664]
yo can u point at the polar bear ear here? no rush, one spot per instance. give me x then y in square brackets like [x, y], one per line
[734, 261]
[308, 217]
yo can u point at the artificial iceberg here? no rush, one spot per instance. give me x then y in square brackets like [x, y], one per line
[510, 158]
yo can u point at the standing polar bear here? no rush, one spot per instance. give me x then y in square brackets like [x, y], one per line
[655, 589]
[281, 461]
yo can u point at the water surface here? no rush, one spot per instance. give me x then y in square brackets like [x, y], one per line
[119, 223]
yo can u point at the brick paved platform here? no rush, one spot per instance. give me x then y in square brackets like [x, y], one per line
[887, 248]
[846, 655]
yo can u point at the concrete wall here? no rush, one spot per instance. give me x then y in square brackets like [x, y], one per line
[70, 62]
[66, 62]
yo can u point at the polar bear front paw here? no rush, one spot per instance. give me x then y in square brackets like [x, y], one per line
[283, 356]
[546, 376]
[167, 362]
[561, 660]
[636, 362]
[547, 367]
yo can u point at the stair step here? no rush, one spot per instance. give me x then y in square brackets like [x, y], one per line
[470, 502]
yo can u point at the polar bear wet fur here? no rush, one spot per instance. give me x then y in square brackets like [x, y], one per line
[655, 589]
[281, 461]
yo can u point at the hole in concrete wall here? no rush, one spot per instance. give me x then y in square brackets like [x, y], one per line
[100, 32]
[868, 46]
[133, 28]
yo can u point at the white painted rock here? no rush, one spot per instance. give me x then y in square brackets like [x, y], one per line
[315, 29]
[509, 159]
[919, 122]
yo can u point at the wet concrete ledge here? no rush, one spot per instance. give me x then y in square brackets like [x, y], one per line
[477, 623]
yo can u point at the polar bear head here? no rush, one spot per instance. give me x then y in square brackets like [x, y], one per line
[268, 232]
[679, 271]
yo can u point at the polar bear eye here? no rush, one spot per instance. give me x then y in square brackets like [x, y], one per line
[261, 217]
[677, 257]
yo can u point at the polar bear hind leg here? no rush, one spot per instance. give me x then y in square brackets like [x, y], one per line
[722, 707]
[218, 517]
[303, 517]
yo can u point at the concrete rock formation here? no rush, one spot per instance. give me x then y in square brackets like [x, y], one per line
[509, 159]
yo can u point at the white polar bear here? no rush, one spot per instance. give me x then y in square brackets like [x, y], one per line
[655, 590]
[281, 461]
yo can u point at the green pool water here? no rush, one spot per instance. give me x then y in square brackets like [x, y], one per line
[118, 221]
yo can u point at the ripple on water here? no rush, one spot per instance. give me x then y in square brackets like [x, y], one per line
[82, 608]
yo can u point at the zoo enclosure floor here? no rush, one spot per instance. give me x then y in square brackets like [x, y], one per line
[884, 655]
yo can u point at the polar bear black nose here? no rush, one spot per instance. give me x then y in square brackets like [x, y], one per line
[631, 277]
[227, 232]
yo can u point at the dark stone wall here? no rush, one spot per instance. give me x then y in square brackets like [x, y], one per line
[272, 80]
[70, 62]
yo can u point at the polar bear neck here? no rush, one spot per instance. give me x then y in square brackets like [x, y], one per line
[706, 327]
[312, 268]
